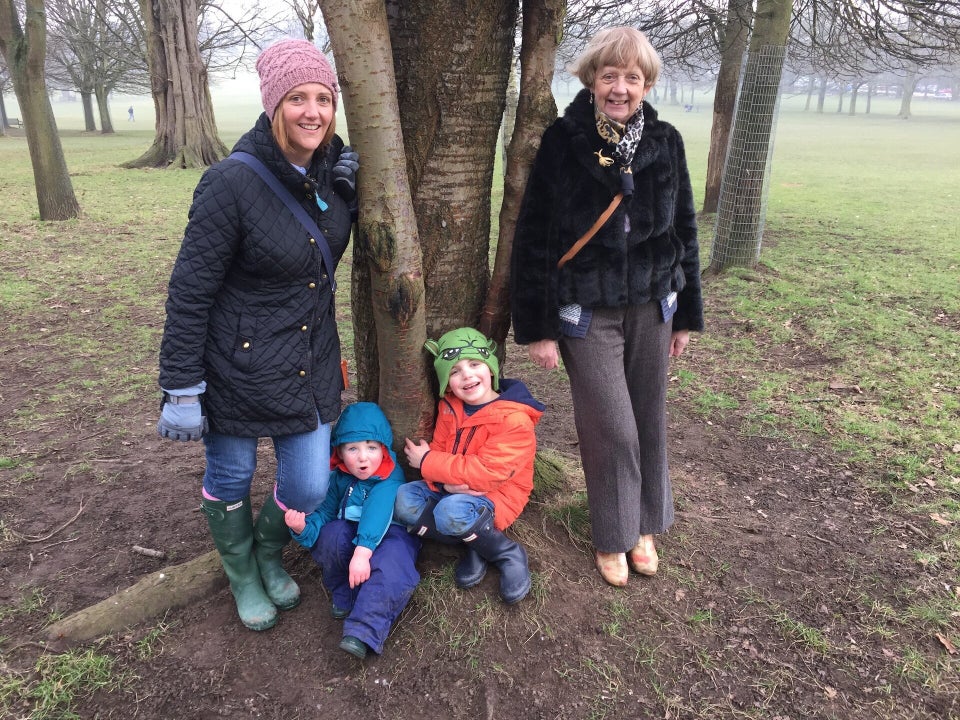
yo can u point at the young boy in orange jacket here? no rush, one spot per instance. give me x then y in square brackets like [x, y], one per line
[478, 469]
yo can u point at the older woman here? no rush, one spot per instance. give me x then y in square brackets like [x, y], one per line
[619, 306]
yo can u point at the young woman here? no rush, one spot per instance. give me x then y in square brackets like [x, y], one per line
[250, 348]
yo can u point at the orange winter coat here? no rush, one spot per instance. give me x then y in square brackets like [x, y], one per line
[491, 451]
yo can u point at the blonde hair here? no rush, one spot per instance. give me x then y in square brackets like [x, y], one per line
[279, 129]
[619, 47]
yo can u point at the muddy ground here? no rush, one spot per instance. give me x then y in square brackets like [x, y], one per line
[782, 590]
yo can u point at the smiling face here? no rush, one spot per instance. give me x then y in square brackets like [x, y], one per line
[307, 114]
[471, 381]
[363, 458]
[618, 91]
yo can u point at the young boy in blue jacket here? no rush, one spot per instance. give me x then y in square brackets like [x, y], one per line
[368, 561]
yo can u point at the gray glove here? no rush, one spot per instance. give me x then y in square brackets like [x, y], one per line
[345, 174]
[182, 418]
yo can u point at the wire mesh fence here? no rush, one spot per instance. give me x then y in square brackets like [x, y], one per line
[742, 206]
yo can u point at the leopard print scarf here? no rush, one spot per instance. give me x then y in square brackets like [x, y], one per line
[623, 137]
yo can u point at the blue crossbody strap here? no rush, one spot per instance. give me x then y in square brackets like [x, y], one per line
[296, 208]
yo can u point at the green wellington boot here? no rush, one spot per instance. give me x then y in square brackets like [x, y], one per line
[270, 536]
[231, 525]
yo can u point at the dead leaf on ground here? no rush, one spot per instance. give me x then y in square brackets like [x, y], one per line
[945, 641]
[842, 387]
[940, 519]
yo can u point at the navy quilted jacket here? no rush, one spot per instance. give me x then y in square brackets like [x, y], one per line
[250, 304]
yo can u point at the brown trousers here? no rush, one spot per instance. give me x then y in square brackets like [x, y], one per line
[618, 381]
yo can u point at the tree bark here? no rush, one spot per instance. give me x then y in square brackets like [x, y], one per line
[186, 131]
[452, 59]
[733, 45]
[24, 50]
[536, 109]
[909, 86]
[387, 236]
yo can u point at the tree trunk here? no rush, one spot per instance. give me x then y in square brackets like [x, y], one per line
[536, 109]
[909, 86]
[24, 49]
[822, 94]
[452, 100]
[86, 100]
[186, 133]
[103, 108]
[743, 196]
[733, 45]
[387, 233]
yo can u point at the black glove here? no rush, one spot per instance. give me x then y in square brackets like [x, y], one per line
[345, 175]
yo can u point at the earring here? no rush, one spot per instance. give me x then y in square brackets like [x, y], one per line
[591, 98]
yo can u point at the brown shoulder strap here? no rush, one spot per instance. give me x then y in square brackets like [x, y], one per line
[591, 232]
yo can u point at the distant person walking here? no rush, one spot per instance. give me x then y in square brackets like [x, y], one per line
[130, 114]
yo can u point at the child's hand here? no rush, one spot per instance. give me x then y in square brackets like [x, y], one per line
[463, 489]
[415, 452]
[295, 520]
[360, 566]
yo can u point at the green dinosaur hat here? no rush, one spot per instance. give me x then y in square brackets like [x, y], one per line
[462, 343]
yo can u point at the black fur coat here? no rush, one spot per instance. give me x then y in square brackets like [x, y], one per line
[647, 249]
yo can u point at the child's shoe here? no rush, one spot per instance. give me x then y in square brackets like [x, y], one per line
[354, 646]
[613, 567]
[338, 613]
[643, 557]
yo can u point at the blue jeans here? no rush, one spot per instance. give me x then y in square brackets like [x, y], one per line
[303, 467]
[454, 515]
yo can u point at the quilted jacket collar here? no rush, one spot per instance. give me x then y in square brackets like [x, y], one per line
[259, 142]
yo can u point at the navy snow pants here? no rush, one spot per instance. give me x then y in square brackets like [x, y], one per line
[375, 604]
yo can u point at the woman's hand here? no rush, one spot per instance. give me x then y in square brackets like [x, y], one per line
[415, 452]
[678, 342]
[544, 353]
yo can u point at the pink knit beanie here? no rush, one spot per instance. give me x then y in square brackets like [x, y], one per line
[289, 63]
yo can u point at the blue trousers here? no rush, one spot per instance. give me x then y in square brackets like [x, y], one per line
[454, 514]
[376, 603]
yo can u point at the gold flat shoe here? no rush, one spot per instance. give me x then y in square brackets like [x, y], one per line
[643, 557]
[612, 567]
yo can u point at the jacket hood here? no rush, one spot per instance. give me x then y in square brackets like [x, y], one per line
[517, 391]
[358, 422]
[362, 421]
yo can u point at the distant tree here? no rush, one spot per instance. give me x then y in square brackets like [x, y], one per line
[95, 46]
[186, 131]
[4, 87]
[734, 35]
[23, 45]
